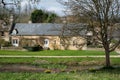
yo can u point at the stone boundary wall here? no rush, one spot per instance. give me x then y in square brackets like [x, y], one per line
[13, 48]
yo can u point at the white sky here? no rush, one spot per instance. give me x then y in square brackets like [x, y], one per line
[50, 5]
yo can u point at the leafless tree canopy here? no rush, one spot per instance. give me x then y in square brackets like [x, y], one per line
[16, 3]
[101, 15]
[15, 7]
[104, 13]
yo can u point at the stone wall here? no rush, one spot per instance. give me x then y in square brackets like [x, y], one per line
[55, 42]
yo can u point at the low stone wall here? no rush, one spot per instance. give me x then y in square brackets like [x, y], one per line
[96, 49]
[13, 48]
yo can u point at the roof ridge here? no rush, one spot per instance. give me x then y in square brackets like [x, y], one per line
[38, 23]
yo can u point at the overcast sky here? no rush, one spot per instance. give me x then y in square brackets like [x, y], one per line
[52, 5]
[49, 5]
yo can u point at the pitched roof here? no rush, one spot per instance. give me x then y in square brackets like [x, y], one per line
[37, 29]
[52, 29]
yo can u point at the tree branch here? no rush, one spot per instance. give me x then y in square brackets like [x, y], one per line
[114, 46]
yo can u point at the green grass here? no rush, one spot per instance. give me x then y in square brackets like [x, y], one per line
[56, 53]
[104, 75]
[59, 63]
[83, 61]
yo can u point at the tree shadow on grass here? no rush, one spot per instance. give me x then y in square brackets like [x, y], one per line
[112, 69]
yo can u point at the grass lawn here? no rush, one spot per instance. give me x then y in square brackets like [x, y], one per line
[56, 53]
[104, 75]
[69, 68]
[61, 63]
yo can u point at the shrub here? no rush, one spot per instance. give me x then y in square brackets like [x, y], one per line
[33, 48]
[4, 43]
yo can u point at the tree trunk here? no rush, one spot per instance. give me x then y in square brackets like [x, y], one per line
[107, 55]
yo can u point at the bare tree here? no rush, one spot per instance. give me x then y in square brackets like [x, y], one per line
[14, 7]
[16, 3]
[101, 15]
[4, 3]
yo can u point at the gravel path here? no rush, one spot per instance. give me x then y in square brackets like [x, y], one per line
[116, 56]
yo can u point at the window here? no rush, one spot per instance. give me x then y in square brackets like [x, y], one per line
[46, 43]
[15, 42]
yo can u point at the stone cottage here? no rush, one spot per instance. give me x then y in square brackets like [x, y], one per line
[47, 35]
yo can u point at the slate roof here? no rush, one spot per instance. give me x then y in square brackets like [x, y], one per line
[47, 29]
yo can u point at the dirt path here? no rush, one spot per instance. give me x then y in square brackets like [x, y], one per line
[31, 68]
[20, 68]
[113, 56]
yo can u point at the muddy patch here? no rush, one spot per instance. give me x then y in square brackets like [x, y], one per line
[20, 68]
[33, 68]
